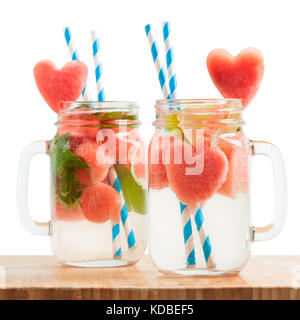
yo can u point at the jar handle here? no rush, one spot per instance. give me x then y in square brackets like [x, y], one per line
[273, 229]
[37, 228]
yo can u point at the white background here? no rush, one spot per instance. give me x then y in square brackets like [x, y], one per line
[32, 30]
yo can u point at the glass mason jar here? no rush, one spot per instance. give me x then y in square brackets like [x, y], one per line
[199, 197]
[98, 185]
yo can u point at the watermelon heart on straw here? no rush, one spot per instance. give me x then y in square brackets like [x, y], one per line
[99, 201]
[57, 85]
[236, 77]
[169, 88]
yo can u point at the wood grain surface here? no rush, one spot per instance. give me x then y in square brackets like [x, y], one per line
[42, 277]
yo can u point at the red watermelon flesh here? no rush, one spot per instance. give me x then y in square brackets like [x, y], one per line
[57, 85]
[237, 150]
[84, 177]
[100, 202]
[124, 146]
[159, 145]
[59, 212]
[91, 153]
[192, 189]
[237, 77]
[78, 131]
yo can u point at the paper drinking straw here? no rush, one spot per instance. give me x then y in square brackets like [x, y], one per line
[157, 62]
[112, 175]
[115, 183]
[74, 56]
[170, 60]
[116, 237]
[116, 240]
[204, 238]
[185, 216]
[170, 93]
[187, 235]
[98, 66]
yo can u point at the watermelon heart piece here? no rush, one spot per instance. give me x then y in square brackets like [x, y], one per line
[57, 85]
[238, 76]
[192, 189]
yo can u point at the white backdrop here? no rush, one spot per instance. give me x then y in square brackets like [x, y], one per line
[32, 30]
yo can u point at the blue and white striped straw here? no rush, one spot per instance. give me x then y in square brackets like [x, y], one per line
[157, 62]
[98, 66]
[170, 60]
[185, 215]
[169, 92]
[115, 183]
[204, 238]
[116, 240]
[187, 235]
[74, 56]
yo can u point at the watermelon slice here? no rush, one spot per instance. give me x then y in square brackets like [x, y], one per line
[236, 77]
[61, 85]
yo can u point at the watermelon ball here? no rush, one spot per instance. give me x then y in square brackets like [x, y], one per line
[59, 212]
[100, 202]
[237, 150]
[194, 187]
[157, 158]
[95, 159]
[236, 77]
[57, 85]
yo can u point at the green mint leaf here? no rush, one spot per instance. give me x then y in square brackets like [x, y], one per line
[70, 182]
[71, 161]
[68, 200]
[135, 196]
[115, 115]
[63, 165]
[61, 143]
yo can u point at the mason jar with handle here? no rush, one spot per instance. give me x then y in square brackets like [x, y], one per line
[98, 185]
[199, 188]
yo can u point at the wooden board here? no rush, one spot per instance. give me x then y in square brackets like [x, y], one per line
[42, 277]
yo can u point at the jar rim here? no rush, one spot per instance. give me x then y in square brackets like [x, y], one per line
[198, 112]
[70, 107]
[174, 103]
